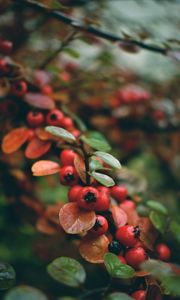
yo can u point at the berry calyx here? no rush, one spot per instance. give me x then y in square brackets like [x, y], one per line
[128, 235]
[35, 118]
[119, 192]
[88, 198]
[68, 175]
[67, 157]
[19, 88]
[115, 247]
[163, 252]
[74, 193]
[101, 226]
[135, 257]
[139, 295]
[54, 117]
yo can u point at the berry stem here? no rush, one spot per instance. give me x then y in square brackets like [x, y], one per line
[86, 161]
[64, 43]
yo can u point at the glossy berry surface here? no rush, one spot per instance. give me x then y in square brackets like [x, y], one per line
[35, 118]
[89, 197]
[128, 204]
[119, 192]
[54, 117]
[67, 157]
[115, 247]
[19, 88]
[135, 257]
[103, 201]
[67, 122]
[139, 295]
[101, 226]
[163, 252]
[128, 235]
[74, 193]
[68, 175]
[122, 259]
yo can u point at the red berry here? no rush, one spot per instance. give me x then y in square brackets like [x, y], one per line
[122, 259]
[46, 89]
[76, 133]
[67, 157]
[5, 46]
[54, 117]
[35, 118]
[128, 204]
[67, 122]
[3, 66]
[139, 295]
[119, 192]
[163, 252]
[135, 257]
[103, 189]
[88, 198]
[68, 175]
[103, 202]
[74, 193]
[101, 226]
[128, 235]
[19, 88]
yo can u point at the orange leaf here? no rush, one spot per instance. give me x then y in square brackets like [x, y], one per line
[15, 139]
[93, 249]
[80, 167]
[45, 167]
[119, 216]
[37, 148]
[45, 226]
[44, 135]
[75, 220]
[141, 273]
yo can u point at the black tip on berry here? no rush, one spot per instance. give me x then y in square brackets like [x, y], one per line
[136, 232]
[90, 197]
[69, 177]
[115, 247]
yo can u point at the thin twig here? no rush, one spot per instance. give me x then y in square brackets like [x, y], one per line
[79, 25]
[86, 162]
[64, 43]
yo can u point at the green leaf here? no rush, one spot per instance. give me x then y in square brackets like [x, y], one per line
[25, 293]
[157, 268]
[175, 230]
[103, 179]
[96, 141]
[118, 296]
[61, 133]
[56, 5]
[115, 268]
[7, 276]
[158, 220]
[67, 271]
[157, 206]
[172, 285]
[95, 164]
[109, 159]
[72, 52]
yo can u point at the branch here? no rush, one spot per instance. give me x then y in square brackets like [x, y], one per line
[79, 25]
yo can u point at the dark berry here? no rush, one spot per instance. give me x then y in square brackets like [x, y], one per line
[115, 247]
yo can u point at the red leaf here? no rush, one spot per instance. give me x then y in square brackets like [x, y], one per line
[75, 220]
[15, 139]
[39, 100]
[37, 148]
[45, 226]
[119, 216]
[45, 167]
[44, 135]
[80, 167]
[93, 249]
